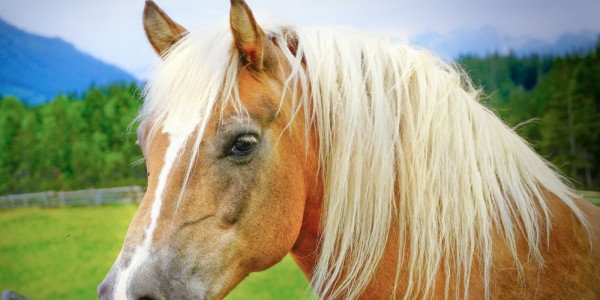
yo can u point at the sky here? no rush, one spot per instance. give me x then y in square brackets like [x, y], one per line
[112, 31]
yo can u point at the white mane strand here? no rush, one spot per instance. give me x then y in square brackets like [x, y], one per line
[403, 142]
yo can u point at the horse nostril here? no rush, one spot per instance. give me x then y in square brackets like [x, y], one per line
[106, 287]
[150, 297]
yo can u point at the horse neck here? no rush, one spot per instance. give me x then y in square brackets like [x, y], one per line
[304, 251]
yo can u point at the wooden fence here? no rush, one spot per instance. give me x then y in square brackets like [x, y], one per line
[128, 194]
[89, 197]
[592, 196]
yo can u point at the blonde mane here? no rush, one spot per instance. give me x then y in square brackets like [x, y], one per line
[403, 141]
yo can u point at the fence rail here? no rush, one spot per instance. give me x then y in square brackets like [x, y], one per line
[89, 197]
[592, 196]
[127, 194]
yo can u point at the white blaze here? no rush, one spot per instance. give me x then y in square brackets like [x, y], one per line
[142, 251]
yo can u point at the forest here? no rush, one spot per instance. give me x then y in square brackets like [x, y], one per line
[79, 142]
[554, 103]
[70, 143]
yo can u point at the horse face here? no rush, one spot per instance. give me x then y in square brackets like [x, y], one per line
[241, 209]
[242, 206]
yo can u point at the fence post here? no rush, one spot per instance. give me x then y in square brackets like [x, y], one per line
[91, 197]
[26, 202]
[98, 197]
[131, 194]
[46, 198]
[139, 195]
[51, 197]
[61, 198]
[134, 190]
[10, 201]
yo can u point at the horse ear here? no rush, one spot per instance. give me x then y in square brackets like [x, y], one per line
[248, 37]
[162, 32]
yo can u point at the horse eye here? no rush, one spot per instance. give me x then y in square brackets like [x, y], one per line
[244, 144]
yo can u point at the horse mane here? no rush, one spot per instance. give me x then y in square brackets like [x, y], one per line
[403, 141]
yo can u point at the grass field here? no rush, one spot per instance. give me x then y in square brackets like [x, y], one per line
[64, 253]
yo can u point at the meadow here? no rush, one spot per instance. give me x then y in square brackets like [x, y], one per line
[63, 253]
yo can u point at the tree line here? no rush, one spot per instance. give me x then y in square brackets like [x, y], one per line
[82, 142]
[71, 142]
[553, 102]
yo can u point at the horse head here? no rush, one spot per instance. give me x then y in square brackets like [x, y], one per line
[229, 174]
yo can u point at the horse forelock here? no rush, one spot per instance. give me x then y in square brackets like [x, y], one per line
[402, 140]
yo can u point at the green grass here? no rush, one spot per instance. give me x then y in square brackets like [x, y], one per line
[282, 281]
[64, 253]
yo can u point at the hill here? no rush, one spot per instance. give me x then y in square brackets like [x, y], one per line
[488, 40]
[35, 68]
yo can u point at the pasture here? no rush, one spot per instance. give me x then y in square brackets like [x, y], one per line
[63, 253]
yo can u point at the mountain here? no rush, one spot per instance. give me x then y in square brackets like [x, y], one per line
[35, 68]
[486, 40]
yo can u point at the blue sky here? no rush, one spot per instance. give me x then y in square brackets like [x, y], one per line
[111, 30]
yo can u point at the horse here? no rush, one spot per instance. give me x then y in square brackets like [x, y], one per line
[375, 166]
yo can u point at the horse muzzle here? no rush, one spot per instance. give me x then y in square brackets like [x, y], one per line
[152, 280]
